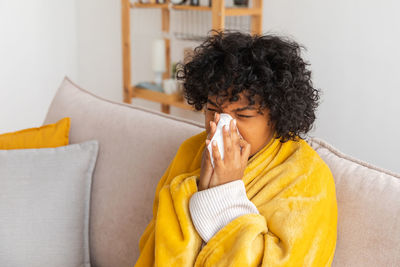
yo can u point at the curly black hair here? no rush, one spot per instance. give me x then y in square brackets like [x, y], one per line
[266, 66]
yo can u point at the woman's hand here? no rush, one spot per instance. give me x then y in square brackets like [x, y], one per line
[232, 167]
[206, 167]
[237, 152]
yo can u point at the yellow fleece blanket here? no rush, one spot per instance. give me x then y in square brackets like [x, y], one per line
[292, 188]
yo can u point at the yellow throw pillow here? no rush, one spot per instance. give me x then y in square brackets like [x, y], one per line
[51, 135]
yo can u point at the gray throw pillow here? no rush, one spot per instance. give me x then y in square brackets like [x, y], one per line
[44, 205]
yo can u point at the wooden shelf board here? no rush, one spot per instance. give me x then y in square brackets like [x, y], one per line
[229, 11]
[139, 5]
[187, 7]
[178, 7]
[241, 11]
[168, 99]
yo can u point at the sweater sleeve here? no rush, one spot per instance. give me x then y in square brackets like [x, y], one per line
[213, 208]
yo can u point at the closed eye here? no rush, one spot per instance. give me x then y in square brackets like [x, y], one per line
[244, 116]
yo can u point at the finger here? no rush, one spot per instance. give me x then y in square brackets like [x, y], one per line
[242, 143]
[235, 140]
[213, 129]
[216, 119]
[246, 148]
[227, 142]
[207, 143]
[216, 155]
[209, 132]
[213, 126]
[234, 134]
[204, 182]
[206, 171]
[207, 161]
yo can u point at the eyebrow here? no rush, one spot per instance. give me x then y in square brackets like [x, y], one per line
[238, 109]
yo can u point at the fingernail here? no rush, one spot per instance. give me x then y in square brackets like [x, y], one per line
[214, 143]
[226, 128]
[210, 123]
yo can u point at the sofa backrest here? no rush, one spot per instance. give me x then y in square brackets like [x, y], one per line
[368, 200]
[137, 144]
[135, 147]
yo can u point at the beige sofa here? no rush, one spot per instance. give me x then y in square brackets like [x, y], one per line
[135, 147]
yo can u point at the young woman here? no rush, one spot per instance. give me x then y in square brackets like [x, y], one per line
[271, 200]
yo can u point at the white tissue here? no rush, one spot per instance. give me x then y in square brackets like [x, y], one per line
[224, 119]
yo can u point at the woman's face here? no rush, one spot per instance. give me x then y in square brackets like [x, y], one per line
[255, 128]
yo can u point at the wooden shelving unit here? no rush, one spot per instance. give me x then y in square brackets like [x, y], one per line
[219, 12]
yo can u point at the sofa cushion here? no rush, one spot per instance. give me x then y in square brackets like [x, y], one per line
[137, 145]
[51, 135]
[44, 207]
[368, 210]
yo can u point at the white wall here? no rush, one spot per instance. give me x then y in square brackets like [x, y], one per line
[99, 47]
[353, 49]
[37, 49]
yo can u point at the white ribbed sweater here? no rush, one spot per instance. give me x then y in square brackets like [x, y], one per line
[211, 209]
